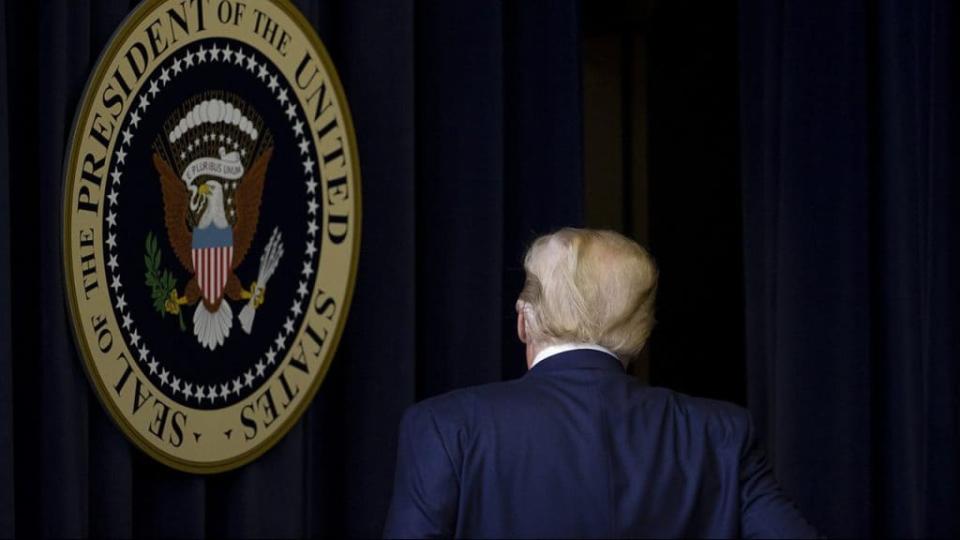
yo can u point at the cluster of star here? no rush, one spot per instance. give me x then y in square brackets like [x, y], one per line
[213, 111]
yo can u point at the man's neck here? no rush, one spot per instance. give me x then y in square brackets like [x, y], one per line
[537, 354]
[531, 354]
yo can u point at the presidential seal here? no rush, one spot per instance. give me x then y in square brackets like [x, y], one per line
[210, 226]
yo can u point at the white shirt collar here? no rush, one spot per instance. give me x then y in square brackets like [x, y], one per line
[566, 347]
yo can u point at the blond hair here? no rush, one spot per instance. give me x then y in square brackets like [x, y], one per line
[589, 286]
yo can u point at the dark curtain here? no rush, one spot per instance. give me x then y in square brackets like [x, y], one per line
[694, 198]
[468, 123]
[852, 229]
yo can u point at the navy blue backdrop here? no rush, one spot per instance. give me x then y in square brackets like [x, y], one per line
[468, 124]
[852, 257]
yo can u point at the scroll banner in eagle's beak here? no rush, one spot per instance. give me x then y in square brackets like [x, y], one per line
[210, 166]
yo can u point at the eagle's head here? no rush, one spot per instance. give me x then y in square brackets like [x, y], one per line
[203, 193]
[211, 188]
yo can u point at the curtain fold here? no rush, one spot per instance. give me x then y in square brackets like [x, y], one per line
[461, 163]
[459, 231]
[851, 227]
[542, 147]
[7, 462]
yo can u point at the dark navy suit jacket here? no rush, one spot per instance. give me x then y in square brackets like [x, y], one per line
[579, 448]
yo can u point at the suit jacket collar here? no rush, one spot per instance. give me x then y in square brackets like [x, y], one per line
[577, 359]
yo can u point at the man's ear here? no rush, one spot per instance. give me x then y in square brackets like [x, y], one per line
[521, 327]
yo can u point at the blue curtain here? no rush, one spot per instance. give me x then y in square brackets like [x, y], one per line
[468, 123]
[849, 125]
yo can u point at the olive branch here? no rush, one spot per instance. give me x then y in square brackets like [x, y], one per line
[161, 283]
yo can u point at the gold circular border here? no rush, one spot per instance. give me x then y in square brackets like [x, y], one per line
[119, 37]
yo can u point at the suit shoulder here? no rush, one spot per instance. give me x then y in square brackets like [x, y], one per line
[727, 423]
[457, 406]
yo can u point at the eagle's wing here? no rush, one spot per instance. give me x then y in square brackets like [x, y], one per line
[247, 200]
[176, 200]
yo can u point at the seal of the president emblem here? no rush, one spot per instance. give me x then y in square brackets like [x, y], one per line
[211, 226]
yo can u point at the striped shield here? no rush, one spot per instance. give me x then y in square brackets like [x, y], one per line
[212, 265]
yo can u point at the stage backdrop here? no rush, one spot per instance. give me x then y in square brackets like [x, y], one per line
[852, 252]
[468, 122]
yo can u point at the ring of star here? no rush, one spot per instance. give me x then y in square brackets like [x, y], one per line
[176, 66]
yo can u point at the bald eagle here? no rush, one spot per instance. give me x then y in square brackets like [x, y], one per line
[211, 244]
